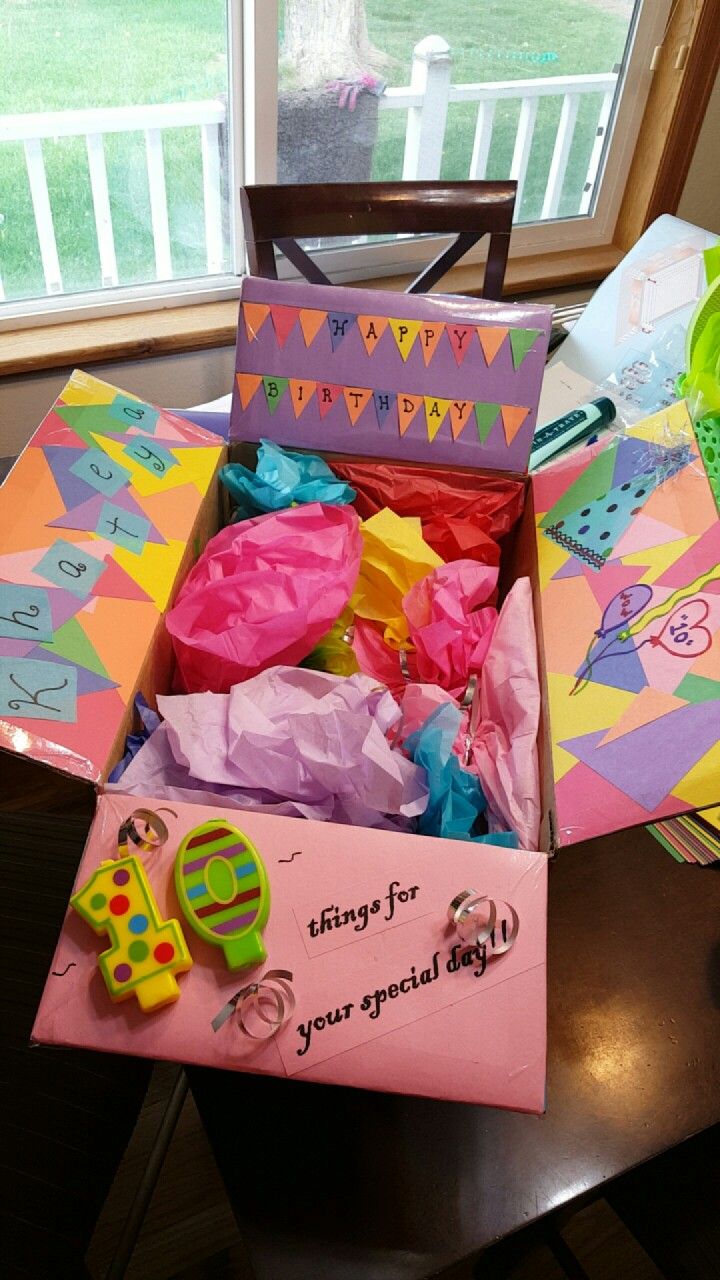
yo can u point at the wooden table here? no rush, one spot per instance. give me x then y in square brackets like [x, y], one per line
[338, 1183]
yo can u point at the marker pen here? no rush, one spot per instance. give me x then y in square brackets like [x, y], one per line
[566, 431]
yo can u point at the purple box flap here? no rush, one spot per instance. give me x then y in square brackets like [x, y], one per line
[435, 379]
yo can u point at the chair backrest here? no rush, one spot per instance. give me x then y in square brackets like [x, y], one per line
[282, 215]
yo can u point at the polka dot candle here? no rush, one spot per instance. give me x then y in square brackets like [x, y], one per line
[146, 952]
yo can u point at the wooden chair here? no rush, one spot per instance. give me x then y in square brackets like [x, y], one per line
[280, 216]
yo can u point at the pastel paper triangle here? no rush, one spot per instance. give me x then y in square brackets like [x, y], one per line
[649, 705]
[429, 336]
[311, 322]
[255, 314]
[327, 394]
[356, 398]
[284, 320]
[407, 408]
[371, 329]
[648, 763]
[486, 416]
[384, 402]
[117, 584]
[275, 389]
[405, 332]
[513, 417]
[461, 412]
[435, 414]
[698, 689]
[71, 642]
[72, 489]
[248, 384]
[460, 337]
[340, 323]
[491, 339]
[620, 669]
[89, 419]
[87, 515]
[521, 340]
[302, 391]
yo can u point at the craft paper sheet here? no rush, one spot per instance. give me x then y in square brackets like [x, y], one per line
[432, 379]
[629, 550]
[95, 517]
[472, 1032]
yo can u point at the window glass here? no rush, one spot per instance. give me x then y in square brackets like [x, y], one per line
[112, 197]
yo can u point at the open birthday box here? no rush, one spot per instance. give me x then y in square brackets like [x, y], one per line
[475, 1031]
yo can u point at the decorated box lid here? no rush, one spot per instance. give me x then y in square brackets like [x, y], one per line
[96, 520]
[431, 379]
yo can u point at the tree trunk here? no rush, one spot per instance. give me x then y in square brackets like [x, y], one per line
[327, 40]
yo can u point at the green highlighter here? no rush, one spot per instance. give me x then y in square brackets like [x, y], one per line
[572, 427]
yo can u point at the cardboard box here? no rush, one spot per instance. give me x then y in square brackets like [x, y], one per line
[100, 518]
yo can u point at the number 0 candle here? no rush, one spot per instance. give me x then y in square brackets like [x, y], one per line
[223, 889]
[147, 953]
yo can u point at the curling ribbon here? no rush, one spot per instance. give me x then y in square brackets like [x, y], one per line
[143, 829]
[463, 913]
[273, 989]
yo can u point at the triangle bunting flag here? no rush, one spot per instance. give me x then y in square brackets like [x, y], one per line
[460, 414]
[301, 393]
[460, 336]
[430, 335]
[248, 384]
[275, 389]
[521, 340]
[372, 329]
[513, 417]
[407, 408]
[491, 339]
[255, 314]
[405, 332]
[311, 322]
[384, 402]
[339, 323]
[327, 394]
[435, 415]
[486, 415]
[283, 319]
[356, 398]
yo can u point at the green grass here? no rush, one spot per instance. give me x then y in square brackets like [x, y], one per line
[63, 54]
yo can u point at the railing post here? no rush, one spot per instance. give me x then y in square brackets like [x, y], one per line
[425, 136]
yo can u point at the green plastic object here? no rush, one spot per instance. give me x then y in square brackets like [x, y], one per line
[707, 431]
[223, 890]
[707, 308]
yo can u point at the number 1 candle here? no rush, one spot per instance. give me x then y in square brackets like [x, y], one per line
[147, 953]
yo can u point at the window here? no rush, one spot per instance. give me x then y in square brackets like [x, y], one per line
[125, 127]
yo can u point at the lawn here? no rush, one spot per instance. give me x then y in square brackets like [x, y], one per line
[59, 56]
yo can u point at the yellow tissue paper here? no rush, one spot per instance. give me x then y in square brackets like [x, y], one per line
[395, 557]
[334, 653]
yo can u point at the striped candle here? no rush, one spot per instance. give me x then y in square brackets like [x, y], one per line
[223, 889]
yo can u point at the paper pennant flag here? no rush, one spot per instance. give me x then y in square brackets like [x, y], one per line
[275, 389]
[248, 384]
[486, 415]
[384, 402]
[430, 335]
[339, 323]
[460, 336]
[255, 314]
[435, 414]
[116, 583]
[311, 322]
[407, 408]
[301, 393]
[521, 341]
[405, 332]
[513, 417]
[327, 394]
[284, 320]
[372, 329]
[356, 399]
[491, 339]
[460, 415]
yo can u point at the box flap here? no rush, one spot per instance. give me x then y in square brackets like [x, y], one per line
[98, 518]
[429, 379]
[629, 549]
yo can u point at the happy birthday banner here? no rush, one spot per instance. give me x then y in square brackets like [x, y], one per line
[399, 408]
[405, 332]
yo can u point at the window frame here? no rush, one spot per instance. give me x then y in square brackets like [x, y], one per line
[252, 46]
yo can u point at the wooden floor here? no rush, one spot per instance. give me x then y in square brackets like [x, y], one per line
[189, 1232]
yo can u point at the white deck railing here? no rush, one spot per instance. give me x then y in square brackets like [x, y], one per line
[426, 100]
